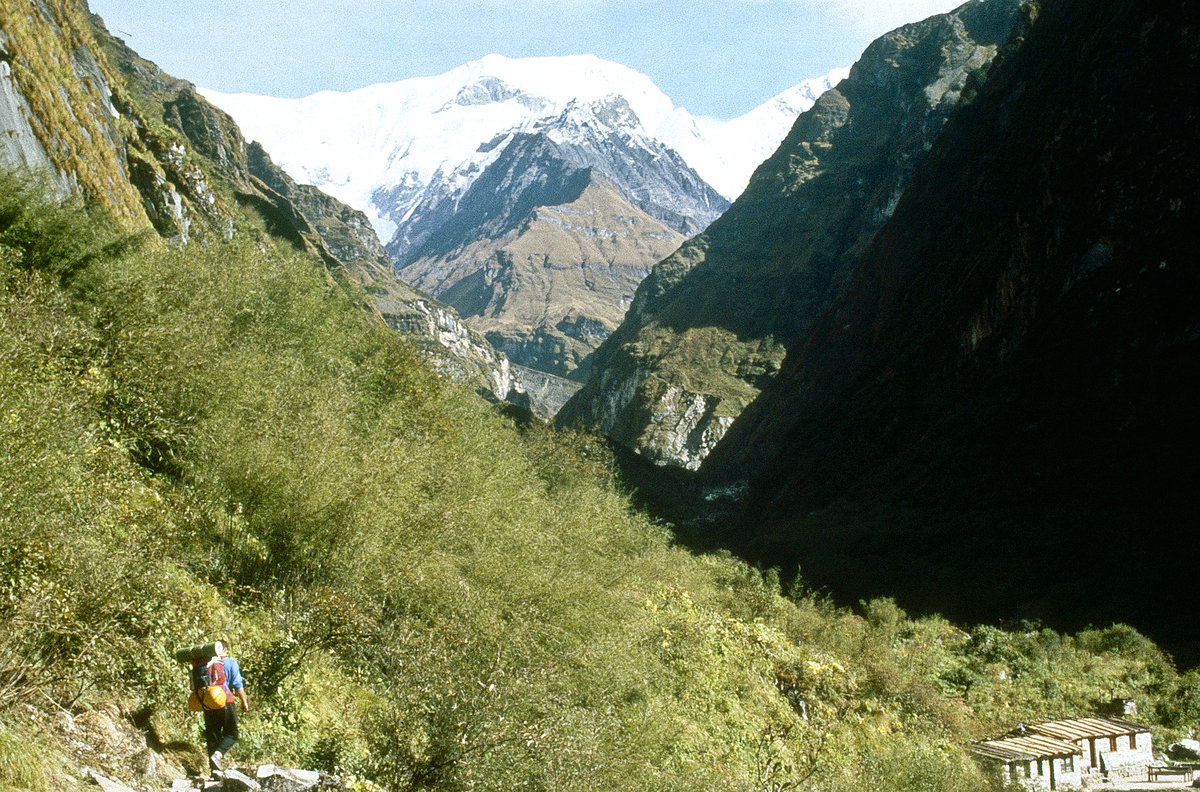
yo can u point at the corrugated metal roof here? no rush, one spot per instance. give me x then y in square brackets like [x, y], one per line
[1026, 748]
[1080, 728]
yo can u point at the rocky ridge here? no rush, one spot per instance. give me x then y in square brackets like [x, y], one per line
[708, 328]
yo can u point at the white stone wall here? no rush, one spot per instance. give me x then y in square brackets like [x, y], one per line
[1064, 779]
[1126, 763]
[1069, 779]
[1138, 756]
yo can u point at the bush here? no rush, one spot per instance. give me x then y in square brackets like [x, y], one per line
[22, 763]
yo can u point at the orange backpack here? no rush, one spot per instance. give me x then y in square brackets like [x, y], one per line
[208, 685]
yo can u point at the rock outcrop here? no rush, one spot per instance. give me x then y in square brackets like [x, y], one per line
[264, 778]
[116, 750]
[459, 352]
[57, 107]
[1184, 750]
[709, 327]
[545, 393]
[19, 143]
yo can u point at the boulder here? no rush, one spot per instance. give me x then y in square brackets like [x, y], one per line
[107, 784]
[1184, 751]
[233, 781]
[98, 729]
[144, 763]
[279, 779]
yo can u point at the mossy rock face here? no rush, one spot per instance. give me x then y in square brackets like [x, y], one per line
[765, 271]
[212, 133]
[51, 55]
[162, 202]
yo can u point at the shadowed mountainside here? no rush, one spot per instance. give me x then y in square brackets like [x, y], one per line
[709, 327]
[998, 417]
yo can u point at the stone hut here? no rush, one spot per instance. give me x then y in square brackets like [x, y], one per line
[1031, 760]
[1061, 754]
[1117, 748]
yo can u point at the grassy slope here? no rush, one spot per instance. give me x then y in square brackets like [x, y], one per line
[215, 441]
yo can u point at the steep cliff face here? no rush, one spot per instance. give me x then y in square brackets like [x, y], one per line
[19, 143]
[59, 113]
[345, 231]
[542, 256]
[708, 328]
[998, 417]
[78, 104]
[216, 173]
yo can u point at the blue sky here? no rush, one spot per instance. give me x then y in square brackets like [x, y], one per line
[713, 58]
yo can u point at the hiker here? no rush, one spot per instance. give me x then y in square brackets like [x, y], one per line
[220, 725]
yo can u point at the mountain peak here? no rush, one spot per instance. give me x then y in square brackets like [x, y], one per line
[611, 114]
[485, 90]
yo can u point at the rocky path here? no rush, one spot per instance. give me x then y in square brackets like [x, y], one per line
[264, 778]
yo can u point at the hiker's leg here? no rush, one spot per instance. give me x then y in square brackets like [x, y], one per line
[214, 726]
[230, 728]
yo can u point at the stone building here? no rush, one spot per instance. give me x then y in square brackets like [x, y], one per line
[1062, 754]
[1032, 760]
[1117, 748]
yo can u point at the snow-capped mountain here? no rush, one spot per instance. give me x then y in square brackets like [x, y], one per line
[604, 135]
[531, 195]
[727, 152]
[388, 148]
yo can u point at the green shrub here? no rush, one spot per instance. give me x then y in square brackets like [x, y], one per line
[22, 763]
